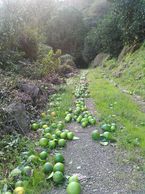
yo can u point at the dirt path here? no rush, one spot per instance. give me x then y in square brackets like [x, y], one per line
[97, 166]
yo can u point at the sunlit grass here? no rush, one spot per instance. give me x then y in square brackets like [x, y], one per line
[115, 106]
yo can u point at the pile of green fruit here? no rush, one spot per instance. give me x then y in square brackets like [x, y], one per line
[107, 135]
[80, 114]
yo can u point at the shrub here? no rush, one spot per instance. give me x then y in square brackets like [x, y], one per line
[28, 42]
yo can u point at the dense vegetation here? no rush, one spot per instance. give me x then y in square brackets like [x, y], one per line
[24, 25]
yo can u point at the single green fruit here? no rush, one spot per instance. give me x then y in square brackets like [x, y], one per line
[34, 126]
[70, 135]
[48, 136]
[61, 142]
[95, 135]
[58, 158]
[92, 121]
[60, 126]
[58, 167]
[43, 155]
[106, 127]
[52, 144]
[27, 171]
[63, 135]
[67, 119]
[58, 177]
[58, 133]
[47, 168]
[107, 135]
[54, 125]
[15, 173]
[43, 142]
[74, 188]
[84, 124]
[47, 130]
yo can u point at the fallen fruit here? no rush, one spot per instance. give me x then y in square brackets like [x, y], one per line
[43, 142]
[73, 188]
[58, 177]
[47, 168]
[95, 135]
[43, 155]
[58, 167]
[19, 190]
[58, 158]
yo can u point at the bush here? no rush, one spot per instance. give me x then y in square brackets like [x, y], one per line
[49, 64]
[28, 42]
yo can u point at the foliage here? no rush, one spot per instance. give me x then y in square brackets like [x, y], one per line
[124, 24]
[131, 19]
[49, 64]
[66, 31]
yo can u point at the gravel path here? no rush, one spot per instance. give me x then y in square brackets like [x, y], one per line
[97, 166]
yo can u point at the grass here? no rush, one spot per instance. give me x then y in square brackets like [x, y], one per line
[115, 106]
[132, 69]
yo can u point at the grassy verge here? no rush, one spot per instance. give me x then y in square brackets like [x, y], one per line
[117, 107]
[130, 71]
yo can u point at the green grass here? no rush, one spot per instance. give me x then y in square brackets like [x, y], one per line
[133, 71]
[124, 111]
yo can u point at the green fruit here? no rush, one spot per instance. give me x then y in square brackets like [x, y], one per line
[32, 159]
[27, 171]
[58, 132]
[63, 135]
[43, 155]
[47, 168]
[84, 124]
[60, 126]
[34, 126]
[92, 121]
[95, 135]
[58, 167]
[43, 142]
[19, 184]
[48, 136]
[52, 144]
[58, 158]
[107, 135]
[106, 127]
[54, 125]
[15, 173]
[7, 192]
[70, 135]
[58, 177]
[74, 188]
[61, 142]
[73, 178]
[54, 136]
[67, 119]
[47, 130]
